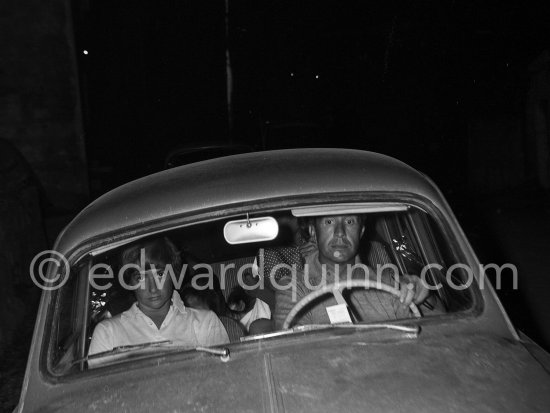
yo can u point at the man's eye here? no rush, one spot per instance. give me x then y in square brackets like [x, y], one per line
[350, 221]
[329, 221]
[160, 273]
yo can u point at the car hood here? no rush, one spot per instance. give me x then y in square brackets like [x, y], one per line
[480, 373]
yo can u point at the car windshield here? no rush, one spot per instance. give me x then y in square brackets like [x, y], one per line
[260, 290]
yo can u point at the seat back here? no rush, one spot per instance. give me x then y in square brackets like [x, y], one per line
[233, 273]
[228, 273]
[234, 329]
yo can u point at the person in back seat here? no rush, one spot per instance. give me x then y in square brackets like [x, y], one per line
[241, 306]
[159, 313]
[250, 311]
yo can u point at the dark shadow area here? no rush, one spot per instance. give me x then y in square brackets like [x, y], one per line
[513, 229]
[14, 360]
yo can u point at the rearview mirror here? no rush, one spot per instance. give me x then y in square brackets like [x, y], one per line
[244, 231]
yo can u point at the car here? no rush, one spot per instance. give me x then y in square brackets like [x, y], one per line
[458, 352]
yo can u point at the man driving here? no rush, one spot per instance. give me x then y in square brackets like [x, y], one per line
[336, 258]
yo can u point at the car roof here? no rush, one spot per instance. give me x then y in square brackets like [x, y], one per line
[244, 178]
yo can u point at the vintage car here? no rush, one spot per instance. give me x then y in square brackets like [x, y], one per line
[457, 352]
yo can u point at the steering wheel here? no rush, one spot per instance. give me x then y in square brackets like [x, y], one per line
[336, 289]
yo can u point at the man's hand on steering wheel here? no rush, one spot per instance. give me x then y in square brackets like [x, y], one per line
[412, 290]
[336, 289]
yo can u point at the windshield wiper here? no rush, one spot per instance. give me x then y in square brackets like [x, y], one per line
[222, 352]
[372, 326]
[126, 349]
[117, 352]
[410, 332]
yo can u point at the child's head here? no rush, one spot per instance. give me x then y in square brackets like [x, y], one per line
[239, 301]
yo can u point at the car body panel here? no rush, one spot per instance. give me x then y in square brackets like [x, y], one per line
[326, 373]
[239, 179]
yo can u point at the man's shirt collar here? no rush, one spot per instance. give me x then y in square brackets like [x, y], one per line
[177, 304]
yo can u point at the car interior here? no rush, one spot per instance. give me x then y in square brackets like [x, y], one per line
[406, 237]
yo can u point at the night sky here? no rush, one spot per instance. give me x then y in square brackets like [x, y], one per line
[405, 78]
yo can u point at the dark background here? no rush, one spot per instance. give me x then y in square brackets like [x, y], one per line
[426, 82]
[94, 93]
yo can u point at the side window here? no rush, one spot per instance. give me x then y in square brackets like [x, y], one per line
[452, 275]
[107, 301]
[79, 306]
[405, 245]
[107, 297]
[67, 345]
[420, 248]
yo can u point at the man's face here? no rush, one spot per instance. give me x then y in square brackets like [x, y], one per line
[338, 238]
[153, 295]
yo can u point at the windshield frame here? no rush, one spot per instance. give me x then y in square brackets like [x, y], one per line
[82, 255]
